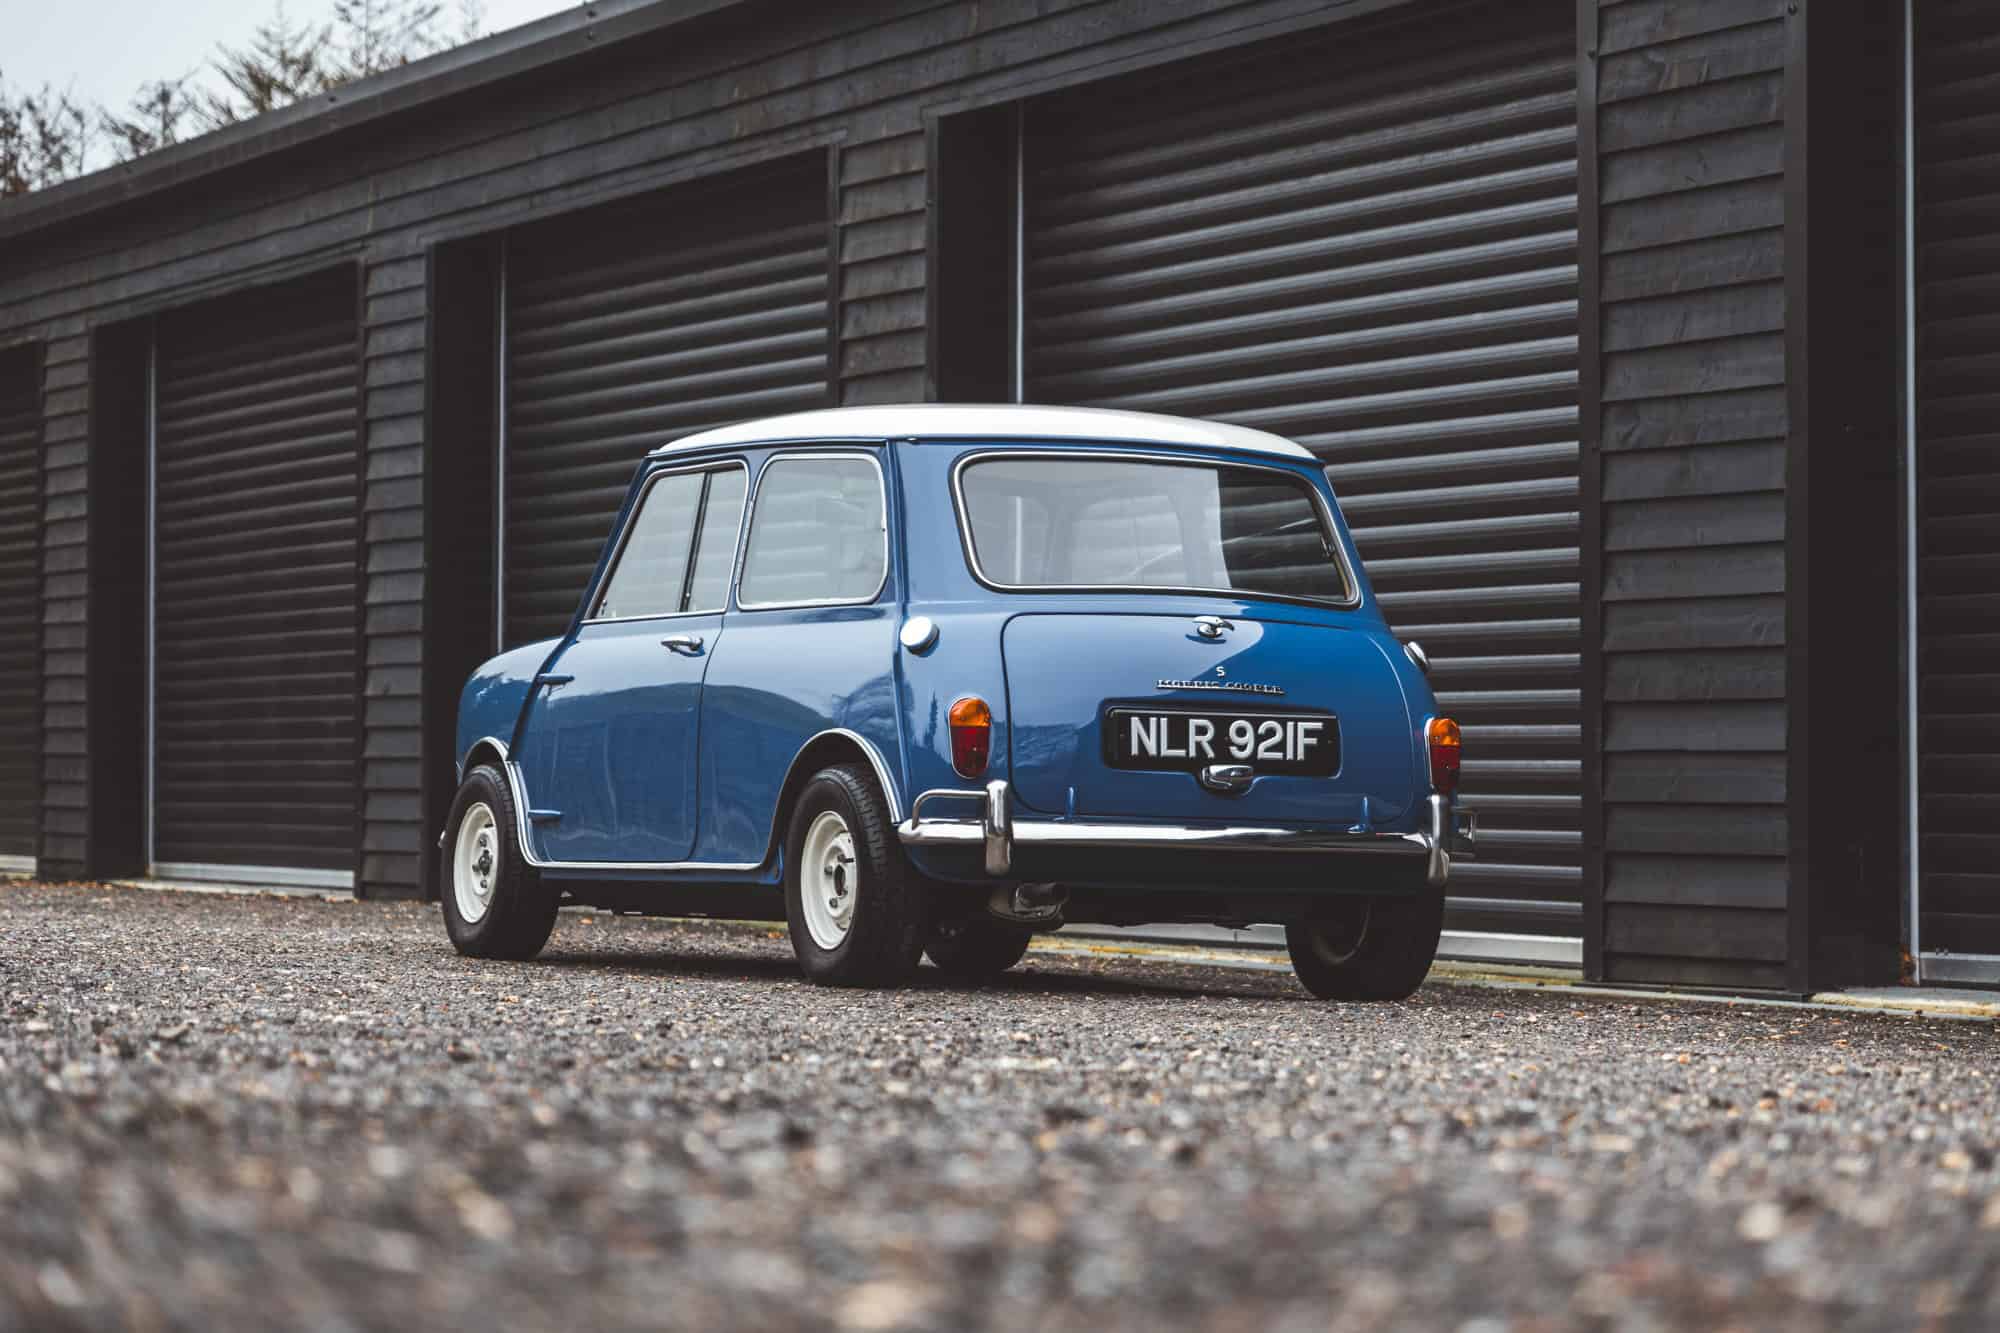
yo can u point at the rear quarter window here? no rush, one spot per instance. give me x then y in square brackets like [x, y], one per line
[817, 533]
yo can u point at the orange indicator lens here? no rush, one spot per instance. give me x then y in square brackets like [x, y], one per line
[1444, 743]
[971, 736]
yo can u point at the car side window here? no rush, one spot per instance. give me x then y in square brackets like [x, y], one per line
[715, 548]
[678, 547]
[817, 533]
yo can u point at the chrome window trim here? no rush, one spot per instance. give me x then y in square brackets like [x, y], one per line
[519, 791]
[603, 585]
[874, 458]
[1330, 529]
[634, 620]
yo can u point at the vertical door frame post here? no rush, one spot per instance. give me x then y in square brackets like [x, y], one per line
[152, 564]
[1912, 765]
[500, 453]
[1020, 252]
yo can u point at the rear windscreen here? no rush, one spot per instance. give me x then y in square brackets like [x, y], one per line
[1049, 522]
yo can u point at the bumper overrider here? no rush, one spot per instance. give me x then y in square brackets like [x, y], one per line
[994, 829]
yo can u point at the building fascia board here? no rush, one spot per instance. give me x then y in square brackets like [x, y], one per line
[490, 60]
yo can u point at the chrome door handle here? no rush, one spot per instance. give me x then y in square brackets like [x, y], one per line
[682, 643]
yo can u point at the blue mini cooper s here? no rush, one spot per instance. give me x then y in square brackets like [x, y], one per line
[929, 679]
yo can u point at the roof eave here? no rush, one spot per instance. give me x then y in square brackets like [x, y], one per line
[504, 55]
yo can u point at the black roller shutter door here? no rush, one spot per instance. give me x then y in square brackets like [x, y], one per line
[1368, 246]
[20, 604]
[256, 523]
[1958, 473]
[630, 327]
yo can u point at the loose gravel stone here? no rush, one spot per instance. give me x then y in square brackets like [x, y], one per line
[258, 1112]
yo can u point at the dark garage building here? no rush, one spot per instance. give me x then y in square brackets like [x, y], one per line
[1653, 346]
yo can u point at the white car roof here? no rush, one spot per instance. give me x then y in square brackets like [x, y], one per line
[991, 421]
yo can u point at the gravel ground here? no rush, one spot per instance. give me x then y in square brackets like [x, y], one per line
[258, 1112]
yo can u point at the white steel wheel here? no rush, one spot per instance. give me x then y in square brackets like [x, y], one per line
[829, 879]
[475, 862]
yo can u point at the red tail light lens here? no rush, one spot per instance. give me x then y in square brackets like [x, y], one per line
[1443, 738]
[971, 736]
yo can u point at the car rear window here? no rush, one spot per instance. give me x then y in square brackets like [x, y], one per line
[1096, 522]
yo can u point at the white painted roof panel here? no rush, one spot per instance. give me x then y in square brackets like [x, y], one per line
[1005, 421]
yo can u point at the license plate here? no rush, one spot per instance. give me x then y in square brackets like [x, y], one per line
[1300, 744]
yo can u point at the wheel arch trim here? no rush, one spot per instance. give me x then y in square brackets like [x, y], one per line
[875, 760]
[493, 743]
[797, 772]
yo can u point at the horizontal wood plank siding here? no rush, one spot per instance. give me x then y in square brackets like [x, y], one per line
[741, 87]
[20, 600]
[1380, 265]
[880, 268]
[65, 821]
[1692, 465]
[394, 324]
[1958, 474]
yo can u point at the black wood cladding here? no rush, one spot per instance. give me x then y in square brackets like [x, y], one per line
[1958, 473]
[66, 675]
[1380, 263]
[1687, 116]
[752, 84]
[257, 521]
[1691, 207]
[20, 601]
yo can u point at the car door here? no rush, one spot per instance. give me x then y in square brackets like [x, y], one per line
[811, 646]
[608, 750]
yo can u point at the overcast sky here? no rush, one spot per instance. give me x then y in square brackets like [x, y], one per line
[102, 50]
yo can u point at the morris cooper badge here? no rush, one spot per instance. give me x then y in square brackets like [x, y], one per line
[1219, 683]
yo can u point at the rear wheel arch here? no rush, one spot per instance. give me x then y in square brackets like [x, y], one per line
[826, 750]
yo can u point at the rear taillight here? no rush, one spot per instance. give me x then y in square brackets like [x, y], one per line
[1442, 736]
[971, 736]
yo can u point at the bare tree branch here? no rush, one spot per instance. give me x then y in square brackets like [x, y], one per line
[44, 138]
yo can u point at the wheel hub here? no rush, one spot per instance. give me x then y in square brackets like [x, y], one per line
[476, 862]
[830, 879]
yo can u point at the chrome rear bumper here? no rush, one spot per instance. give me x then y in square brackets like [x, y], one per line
[998, 833]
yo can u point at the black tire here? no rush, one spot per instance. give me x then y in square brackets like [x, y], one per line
[885, 933]
[972, 949]
[1367, 948]
[520, 910]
